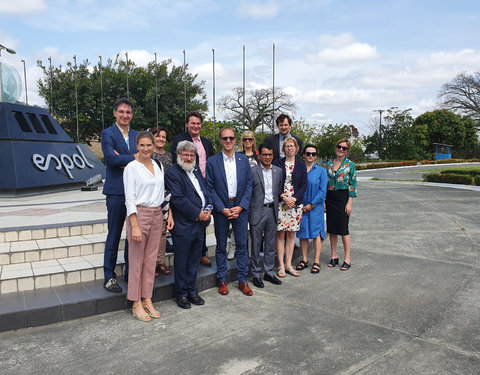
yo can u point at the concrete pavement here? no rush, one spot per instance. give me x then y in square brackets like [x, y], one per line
[410, 304]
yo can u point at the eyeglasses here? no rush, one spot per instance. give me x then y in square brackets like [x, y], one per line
[189, 155]
[266, 154]
[247, 139]
[342, 148]
[228, 139]
[310, 154]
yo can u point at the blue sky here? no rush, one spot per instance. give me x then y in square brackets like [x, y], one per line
[340, 60]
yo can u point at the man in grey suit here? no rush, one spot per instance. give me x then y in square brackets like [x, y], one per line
[263, 216]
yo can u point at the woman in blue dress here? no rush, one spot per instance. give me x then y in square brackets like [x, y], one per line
[313, 224]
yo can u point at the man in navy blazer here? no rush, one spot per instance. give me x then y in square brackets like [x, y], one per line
[284, 124]
[193, 123]
[118, 146]
[191, 209]
[229, 181]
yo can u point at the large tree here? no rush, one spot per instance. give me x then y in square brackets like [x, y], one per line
[443, 126]
[462, 95]
[171, 99]
[259, 109]
[329, 135]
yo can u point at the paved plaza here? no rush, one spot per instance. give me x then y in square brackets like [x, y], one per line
[410, 304]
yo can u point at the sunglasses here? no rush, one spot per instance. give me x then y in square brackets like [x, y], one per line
[310, 154]
[342, 148]
[228, 139]
[247, 139]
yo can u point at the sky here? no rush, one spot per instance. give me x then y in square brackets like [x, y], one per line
[340, 60]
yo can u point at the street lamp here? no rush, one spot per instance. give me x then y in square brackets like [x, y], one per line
[25, 77]
[12, 52]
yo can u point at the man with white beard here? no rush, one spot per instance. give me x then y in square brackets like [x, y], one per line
[191, 209]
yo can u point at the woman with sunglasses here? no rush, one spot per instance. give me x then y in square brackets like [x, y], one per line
[164, 157]
[313, 223]
[342, 188]
[248, 147]
[291, 206]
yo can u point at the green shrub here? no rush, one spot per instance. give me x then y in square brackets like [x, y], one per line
[466, 171]
[448, 178]
[476, 180]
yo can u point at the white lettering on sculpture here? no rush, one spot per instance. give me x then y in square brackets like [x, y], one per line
[78, 160]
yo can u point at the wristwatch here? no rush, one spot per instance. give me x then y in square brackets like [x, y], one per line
[313, 205]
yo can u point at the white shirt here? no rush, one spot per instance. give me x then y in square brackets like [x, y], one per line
[268, 181]
[281, 142]
[142, 188]
[196, 184]
[125, 135]
[231, 174]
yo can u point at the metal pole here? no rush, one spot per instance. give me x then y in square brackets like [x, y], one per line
[76, 95]
[156, 89]
[51, 86]
[214, 121]
[25, 78]
[12, 52]
[273, 90]
[380, 111]
[128, 91]
[185, 84]
[244, 117]
[101, 91]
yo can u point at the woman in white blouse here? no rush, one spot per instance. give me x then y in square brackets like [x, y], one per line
[144, 193]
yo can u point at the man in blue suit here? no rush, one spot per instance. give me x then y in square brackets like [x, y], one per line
[191, 208]
[118, 146]
[193, 123]
[229, 181]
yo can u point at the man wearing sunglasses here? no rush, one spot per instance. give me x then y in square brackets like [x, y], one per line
[193, 123]
[284, 124]
[229, 181]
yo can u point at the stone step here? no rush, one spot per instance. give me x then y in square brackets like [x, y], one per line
[65, 265]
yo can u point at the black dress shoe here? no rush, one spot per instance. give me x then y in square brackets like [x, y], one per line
[257, 282]
[183, 302]
[272, 279]
[196, 299]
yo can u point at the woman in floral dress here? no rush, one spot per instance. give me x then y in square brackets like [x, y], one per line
[291, 206]
[341, 189]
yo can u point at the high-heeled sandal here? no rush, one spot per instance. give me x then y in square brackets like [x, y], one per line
[333, 262]
[281, 272]
[153, 314]
[142, 318]
[291, 271]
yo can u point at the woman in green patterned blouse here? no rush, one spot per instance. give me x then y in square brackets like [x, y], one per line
[341, 189]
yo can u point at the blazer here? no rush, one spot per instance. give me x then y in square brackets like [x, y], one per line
[258, 192]
[274, 142]
[185, 201]
[299, 177]
[207, 145]
[112, 139]
[217, 182]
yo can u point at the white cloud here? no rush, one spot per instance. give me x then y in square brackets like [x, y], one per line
[249, 9]
[19, 7]
[347, 54]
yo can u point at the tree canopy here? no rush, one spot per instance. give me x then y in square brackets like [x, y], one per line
[259, 110]
[462, 95]
[171, 99]
[443, 126]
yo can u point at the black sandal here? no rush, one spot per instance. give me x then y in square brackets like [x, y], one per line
[333, 262]
[315, 268]
[345, 266]
[302, 265]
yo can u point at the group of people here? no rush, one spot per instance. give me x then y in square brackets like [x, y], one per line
[268, 190]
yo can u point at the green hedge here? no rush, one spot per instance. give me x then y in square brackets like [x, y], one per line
[476, 180]
[469, 172]
[448, 178]
[448, 161]
[386, 165]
